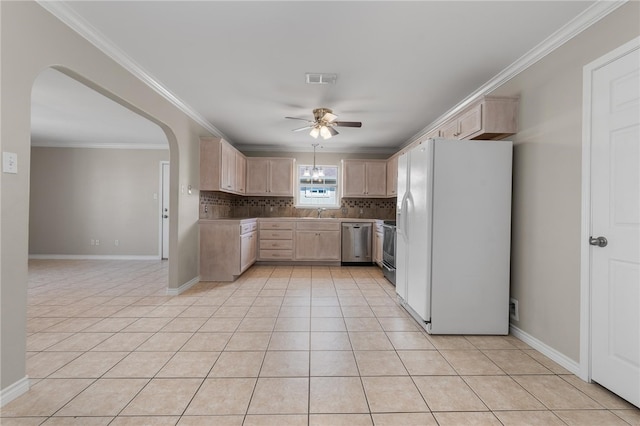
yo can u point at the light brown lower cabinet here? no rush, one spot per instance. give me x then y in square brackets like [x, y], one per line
[377, 247]
[276, 240]
[317, 240]
[227, 248]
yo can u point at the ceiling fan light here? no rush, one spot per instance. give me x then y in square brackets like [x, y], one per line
[328, 117]
[315, 132]
[325, 132]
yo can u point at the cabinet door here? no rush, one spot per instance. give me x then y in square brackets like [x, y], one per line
[328, 245]
[392, 177]
[241, 169]
[317, 245]
[306, 245]
[281, 177]
[227, 167]
[374, 249]
[376, 173]
[470, 122]
[436, 133]
[247, 250]
[379, 240]
[353, 178]
[257, 176]
[209, 165]
[450, 130]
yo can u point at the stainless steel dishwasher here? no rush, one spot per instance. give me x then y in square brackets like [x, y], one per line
[356, 242]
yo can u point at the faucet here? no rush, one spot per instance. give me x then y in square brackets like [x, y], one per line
[320, 210]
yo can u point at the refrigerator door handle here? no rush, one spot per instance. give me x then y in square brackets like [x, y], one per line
[401, 213]
[409, 198]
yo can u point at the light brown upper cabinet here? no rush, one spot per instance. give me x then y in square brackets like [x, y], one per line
[364, 178]
[491, 117]
[241, 172]
[392, 176]
[271, 177]
[219, 163]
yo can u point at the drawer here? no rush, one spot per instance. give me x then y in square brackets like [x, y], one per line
[276, 244]
[276, 225]
[276, 254]
[248, 227]
[310, 225]
[275, 235]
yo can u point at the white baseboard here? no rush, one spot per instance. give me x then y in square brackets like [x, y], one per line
[13, 391]
[91, 257]
[548, 351]
[184, 287]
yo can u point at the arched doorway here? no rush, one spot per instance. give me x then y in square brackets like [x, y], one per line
[96, 175]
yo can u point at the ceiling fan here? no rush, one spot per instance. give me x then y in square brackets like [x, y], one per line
[323, 124]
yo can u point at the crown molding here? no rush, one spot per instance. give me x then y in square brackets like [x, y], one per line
[78, 24]
[83, 145]
[289, 148]
[587, 18]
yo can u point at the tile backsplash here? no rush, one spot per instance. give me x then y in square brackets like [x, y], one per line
[217, 205]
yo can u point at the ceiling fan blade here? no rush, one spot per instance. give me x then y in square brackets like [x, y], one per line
[329, 118]
[348, 123]
[332, 131]
[303, 128]
[303, 119]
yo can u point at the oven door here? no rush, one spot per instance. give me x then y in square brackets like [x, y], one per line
[389, 253]
[389, 272]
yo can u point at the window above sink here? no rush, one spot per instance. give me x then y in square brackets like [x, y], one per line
[317, 186]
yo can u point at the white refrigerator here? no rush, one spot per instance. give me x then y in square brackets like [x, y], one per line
[454, 234]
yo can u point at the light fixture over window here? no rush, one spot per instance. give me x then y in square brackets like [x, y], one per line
[316, 173]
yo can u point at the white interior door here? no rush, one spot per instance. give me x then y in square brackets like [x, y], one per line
[165, 210]
[615, 215]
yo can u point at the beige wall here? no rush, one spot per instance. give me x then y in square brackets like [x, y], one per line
[79, 195]
[546, 244]
[32, 40]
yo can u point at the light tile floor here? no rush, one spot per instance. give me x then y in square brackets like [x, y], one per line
[280, 346]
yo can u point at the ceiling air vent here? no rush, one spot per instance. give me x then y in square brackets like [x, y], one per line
[320, 78]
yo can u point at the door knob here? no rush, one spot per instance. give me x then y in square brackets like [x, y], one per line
[599, 241]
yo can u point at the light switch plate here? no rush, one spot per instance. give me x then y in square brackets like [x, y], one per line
[9, 162]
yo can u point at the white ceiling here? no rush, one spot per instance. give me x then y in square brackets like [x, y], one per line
[240, 66]
[67, 113]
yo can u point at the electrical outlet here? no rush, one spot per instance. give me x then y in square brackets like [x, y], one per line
[97, 242]
[514, 313]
